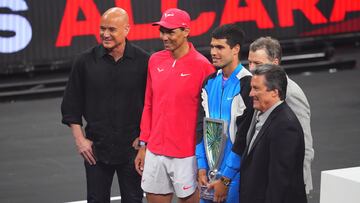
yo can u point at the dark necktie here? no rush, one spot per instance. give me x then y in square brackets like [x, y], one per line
[251, 130]
[254, 129]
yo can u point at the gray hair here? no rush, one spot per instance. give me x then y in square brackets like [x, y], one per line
[275, 78]
[270, 45]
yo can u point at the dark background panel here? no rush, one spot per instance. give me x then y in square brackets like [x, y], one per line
[46, 16]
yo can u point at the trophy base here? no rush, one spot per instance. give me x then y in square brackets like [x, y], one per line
[206, 194]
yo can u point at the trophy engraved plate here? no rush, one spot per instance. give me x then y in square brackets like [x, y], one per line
[214, 141]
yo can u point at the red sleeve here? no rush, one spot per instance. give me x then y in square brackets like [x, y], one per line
[145, 125]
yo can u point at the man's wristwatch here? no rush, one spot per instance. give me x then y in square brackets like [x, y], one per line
[142, 143]
[226, 181]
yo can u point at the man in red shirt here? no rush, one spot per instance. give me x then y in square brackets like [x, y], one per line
[168, 124]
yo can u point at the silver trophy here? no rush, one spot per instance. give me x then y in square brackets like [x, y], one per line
[214, 141]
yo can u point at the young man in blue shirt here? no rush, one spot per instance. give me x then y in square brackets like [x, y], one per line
[225, 96]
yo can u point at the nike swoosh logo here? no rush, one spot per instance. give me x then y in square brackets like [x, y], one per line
[168, 14]
[186, 187]
[229, 98]
[184, 74]
[160, 70]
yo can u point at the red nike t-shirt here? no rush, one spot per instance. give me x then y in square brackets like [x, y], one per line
[168, 123]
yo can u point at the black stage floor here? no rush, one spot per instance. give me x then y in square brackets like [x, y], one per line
[39, 162]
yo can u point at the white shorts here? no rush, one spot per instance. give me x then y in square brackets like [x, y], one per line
[165, 175]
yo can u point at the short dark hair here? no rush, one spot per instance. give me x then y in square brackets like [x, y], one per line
[232, 33]
[271, 46]
[275, 77]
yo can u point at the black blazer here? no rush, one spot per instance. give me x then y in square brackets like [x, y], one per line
[272, 171]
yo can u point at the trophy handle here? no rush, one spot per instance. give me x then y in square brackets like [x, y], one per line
[213, 174]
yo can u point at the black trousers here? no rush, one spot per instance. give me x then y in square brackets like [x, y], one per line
[99, 178]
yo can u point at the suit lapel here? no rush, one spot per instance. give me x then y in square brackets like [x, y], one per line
[249, 134]
[267, 123]
[261, 132]
[251, 128]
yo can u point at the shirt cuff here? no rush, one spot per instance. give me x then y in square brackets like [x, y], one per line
[232, 165]
[201, 156]
[202, 164]
[144, 137]
[68, 120]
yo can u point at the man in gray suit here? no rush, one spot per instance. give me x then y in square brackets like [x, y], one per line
[266, 50]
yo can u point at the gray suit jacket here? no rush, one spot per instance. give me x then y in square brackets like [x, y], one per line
[297, 101]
